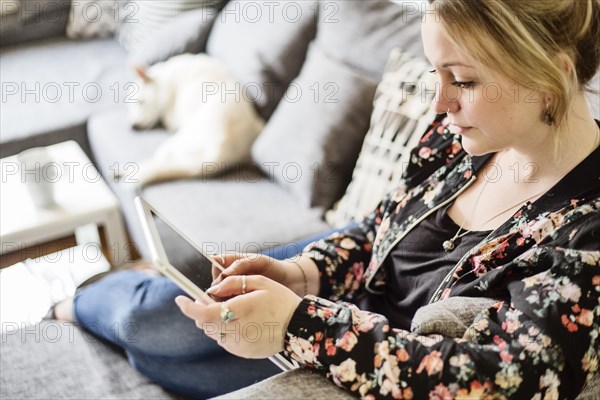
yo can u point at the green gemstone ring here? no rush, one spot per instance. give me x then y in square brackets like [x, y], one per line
[226, 314]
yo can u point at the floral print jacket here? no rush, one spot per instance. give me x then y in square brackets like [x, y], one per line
[539, 341]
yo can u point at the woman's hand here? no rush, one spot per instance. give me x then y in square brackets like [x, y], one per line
[248, 264]
[258, 319]
[300, 274]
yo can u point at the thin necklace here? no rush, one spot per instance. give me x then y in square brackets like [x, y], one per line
[450, 244]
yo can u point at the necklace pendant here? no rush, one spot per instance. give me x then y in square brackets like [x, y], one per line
[448, 245]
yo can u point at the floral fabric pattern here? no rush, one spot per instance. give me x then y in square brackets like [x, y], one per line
[540, 340]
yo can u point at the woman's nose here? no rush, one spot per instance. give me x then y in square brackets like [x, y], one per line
[446, 98]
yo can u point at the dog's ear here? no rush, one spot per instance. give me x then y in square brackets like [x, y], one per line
[141, 72]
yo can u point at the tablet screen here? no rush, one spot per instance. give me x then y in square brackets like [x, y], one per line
[187, 259]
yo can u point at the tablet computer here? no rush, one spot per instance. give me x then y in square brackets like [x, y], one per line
[192, 272]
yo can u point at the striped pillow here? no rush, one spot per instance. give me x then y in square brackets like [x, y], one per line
[401, 114]
[144, 17]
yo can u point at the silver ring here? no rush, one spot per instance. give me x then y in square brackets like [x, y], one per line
[243, 284]
[226, 314]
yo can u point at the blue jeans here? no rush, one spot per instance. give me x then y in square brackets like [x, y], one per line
[137, 312]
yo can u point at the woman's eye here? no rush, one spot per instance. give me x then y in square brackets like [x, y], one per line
[432, 71]
[463, 85]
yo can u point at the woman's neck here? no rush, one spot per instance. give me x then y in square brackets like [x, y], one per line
[579, 137]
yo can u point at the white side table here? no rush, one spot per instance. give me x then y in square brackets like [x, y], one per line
[82, 198]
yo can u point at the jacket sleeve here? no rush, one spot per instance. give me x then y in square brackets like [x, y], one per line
[343, 257]
[543, 343]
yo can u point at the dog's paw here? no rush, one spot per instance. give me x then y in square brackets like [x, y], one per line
[150, 171]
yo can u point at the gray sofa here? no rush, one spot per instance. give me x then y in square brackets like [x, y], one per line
[335, 52]
[303, 159]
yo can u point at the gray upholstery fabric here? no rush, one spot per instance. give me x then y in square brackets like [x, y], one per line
[33, 20]
[75, 132]
[56, 360]
[300, 384]
[361, 34]
[345, 64]
[450, 317]
[186, 33]
[270, 39]
[241, 210]
[147, 17]
[313, 139]
[236, 212]
[56, 84]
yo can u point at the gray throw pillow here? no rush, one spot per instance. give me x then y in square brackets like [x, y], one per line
[29, 20]
[186, 33]
[263, 43]
[363, 33]
[146, 17]
[401, 114]
[317, 130]
[319, 138]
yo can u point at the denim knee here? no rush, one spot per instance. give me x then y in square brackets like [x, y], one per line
[137, 312]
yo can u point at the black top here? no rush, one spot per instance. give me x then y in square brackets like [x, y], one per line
[418, 264]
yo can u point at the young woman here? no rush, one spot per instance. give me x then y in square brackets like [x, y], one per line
[501, 200]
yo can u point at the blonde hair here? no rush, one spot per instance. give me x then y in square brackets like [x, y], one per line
[526, 41]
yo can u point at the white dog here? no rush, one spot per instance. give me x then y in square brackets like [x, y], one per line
[195, 97]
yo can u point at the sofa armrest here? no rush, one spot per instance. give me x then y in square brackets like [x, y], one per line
[296, 384]
[307, 385]
[29, 20]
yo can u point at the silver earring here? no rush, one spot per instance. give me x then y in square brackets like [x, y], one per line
[548, 118]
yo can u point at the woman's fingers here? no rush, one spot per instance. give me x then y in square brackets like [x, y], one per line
[214, 319]
[236, 285]
[250, 325]
[198, 311]
[244, 265]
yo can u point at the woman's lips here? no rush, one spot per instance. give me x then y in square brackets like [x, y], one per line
[457, 129]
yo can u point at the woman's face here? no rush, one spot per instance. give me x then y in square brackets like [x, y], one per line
[490, 114]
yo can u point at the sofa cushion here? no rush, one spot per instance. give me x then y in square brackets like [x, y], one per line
[297, 384]
[242, 210]
[270, 41]
[401, 114]
[57, 360]
[186, 33]
[311, 140]
[54, 85]
[28, 20]
[143, 18]
[362, 34]
[320, 133]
